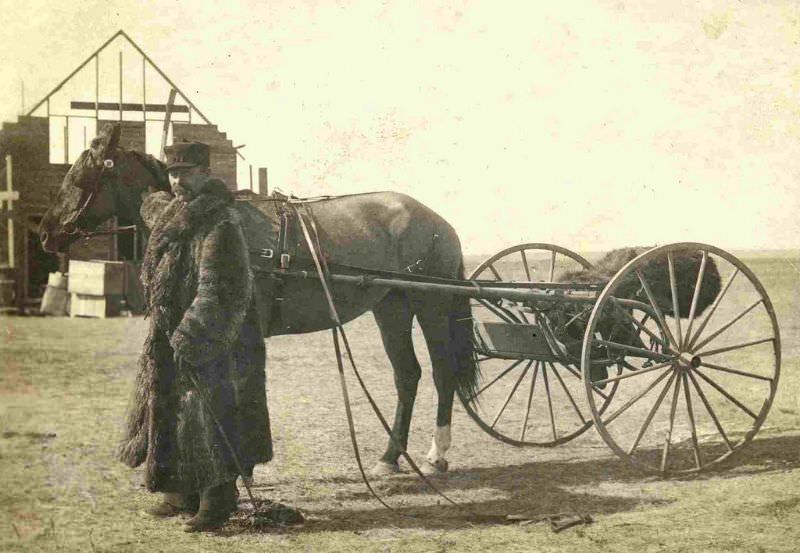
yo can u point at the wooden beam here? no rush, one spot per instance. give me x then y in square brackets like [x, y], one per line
[120, 85]
[164, 76]
[114, 106]
[81, 66]
[97, 92]
[167, 118]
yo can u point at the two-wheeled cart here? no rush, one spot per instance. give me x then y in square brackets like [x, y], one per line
[674, 358]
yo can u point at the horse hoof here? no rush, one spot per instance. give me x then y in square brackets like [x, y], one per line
[437, 468]
[382, 468]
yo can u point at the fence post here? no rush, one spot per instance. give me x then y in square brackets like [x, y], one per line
[9, 196]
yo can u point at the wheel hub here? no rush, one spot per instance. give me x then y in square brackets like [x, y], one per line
[686, 361]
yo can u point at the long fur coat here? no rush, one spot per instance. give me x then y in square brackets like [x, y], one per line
[201, 308]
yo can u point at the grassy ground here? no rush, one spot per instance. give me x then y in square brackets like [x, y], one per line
[64, 385]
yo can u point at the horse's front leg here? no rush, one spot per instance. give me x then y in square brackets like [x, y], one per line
[394, 317]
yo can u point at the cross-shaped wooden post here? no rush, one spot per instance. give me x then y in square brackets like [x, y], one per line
[9, 195]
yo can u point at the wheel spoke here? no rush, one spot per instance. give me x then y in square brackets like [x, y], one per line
[510, 395]
[712, 309]
[525, 264]
[656, 308]
[633, 373]
[552, 266]
[639, 396]
[673, 285]
[569, 395]
[638, 324]
[732, 348]
[668, 440]
[695, 446]
[696, 296]
[498, 377]
[734, 371]
[577, 375]
[650, 415]
[641, 352]
[728, 396]
[530, 401]
[494, 272]
[710, 411]
[727, 325]
[549, 402]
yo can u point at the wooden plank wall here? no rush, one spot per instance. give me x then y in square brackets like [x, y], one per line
[223, 156]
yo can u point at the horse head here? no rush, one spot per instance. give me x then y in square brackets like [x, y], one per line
[105, 181]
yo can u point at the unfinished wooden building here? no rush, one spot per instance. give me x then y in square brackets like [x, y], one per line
[116, 83]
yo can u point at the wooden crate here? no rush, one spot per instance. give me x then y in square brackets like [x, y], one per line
[85, 305]
[56, 297]
[96, 278]
[57, 280]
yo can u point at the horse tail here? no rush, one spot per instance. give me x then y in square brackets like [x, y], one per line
[467, 372]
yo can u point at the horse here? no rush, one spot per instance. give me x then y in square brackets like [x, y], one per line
[384, 231]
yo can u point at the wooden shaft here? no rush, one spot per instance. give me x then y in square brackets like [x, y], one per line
[466, 289]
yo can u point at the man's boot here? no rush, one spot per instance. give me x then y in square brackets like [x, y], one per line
[175, 503]
[216, 506]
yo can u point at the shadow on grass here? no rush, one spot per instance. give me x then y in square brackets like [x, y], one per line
[487, 495]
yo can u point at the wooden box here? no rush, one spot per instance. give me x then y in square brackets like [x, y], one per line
[96, 278]
[57, 280]
[84, 305]
[56, 297]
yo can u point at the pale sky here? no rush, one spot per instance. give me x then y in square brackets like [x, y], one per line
[591, 125]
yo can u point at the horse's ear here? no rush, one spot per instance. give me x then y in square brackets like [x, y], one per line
[106, 140]
[113, 139]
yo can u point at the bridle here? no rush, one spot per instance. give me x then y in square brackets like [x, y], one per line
[92, 188]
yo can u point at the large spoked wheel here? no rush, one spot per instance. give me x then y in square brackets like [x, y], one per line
[704, 391]
[530, 400]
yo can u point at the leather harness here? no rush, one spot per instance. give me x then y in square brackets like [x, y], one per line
[274, 263]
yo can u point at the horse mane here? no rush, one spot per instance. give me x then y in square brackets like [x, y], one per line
[155, 167]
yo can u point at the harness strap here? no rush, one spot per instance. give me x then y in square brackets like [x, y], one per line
[322, 269]
[419, 265]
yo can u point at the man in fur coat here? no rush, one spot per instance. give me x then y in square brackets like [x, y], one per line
[204, 355]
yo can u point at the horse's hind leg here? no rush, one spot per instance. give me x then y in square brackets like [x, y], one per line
[394, 316]
[432, 313]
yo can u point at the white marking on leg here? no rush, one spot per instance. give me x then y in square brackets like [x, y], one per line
[440, 444]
